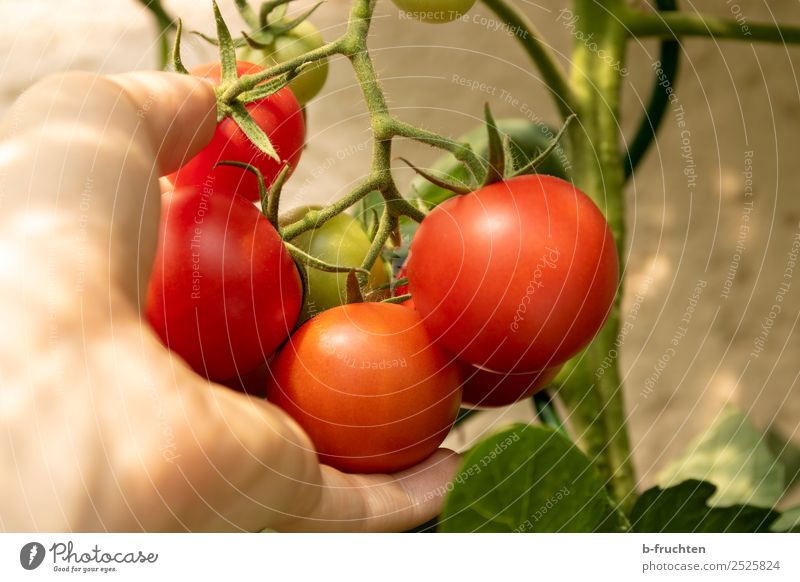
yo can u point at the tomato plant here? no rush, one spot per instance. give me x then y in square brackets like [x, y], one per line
[515, 273]
[339, 241]
[278, 115]
[369, 387]
[435, 11]
[224, 292]
[516, 277]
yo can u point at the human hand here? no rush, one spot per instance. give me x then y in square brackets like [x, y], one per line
[102, 429]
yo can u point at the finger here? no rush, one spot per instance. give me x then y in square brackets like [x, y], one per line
[81, 155]
[380, 503]
[178, 111]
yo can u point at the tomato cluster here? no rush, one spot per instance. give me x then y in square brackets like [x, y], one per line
[507, 283]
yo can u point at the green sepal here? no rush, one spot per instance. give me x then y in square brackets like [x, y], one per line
[177, 62]
[254, 133]
[538, 160]
[237, 42]
[267, 8]
[227, 50]
[247, 13]
[281, 28]
[270, 87]
[436, 181]
[261, 41]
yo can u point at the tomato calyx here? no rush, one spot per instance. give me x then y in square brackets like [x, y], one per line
[501, 164]
[266, 30]
[234, 93]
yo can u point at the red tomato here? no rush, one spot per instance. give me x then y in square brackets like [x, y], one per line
[224, 292]
[278, 115]
[368, 386]
[487, 389]
[516, 277]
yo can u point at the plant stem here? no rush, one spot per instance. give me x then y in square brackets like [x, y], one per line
[596, 403]
[387, 224]
[461, 151]
[677, 24]
[316, 218]
[659, 99]
[540, 53]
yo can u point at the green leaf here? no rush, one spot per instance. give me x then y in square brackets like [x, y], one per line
[528, 479]
[684, 508]
[735, 457]
[251, 129]
[788, 455]
[789, 521]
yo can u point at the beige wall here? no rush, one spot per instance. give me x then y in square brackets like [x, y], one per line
[737, 98]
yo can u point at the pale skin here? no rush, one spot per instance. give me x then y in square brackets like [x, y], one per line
[100, 427]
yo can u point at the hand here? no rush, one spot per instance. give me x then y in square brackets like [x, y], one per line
[100, 427]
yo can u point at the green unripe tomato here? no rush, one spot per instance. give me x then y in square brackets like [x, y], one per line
[340, 241]
[435, 11]
[305, 37]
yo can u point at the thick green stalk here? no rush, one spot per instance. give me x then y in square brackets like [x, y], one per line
[597, 409]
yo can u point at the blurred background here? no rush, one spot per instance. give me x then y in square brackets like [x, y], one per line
[717, 252]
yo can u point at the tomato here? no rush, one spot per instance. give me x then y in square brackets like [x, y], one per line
[303, 38]
[487, 389]
[278, 115]
[435, 11]
[224, 292]
[516, 277]
[340, 241]
[368, 386]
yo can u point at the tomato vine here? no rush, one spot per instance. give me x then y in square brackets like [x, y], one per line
[591, 91]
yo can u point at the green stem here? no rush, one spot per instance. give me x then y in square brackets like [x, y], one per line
[596, 403]
[671, 25]
[316, 218]
[461, 151]
[247, 82]
[540, 53]
[387, 224]
[547, 414]
[659, 99]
